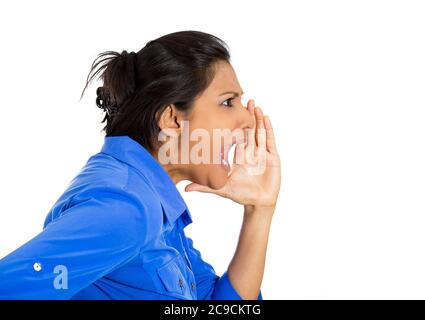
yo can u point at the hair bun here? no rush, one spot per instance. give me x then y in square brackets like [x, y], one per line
[103, 101]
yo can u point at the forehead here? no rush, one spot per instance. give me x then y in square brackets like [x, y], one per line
[225, 79]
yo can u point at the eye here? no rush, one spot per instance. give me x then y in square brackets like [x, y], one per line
[228, 102]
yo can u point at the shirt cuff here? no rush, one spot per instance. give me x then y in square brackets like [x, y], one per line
[224, 290]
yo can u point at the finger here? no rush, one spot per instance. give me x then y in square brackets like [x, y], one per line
[270, 140]
[260, 131]
[251, 109]
[250, 106]
[250, 141]
[238, 157]
[250, 134]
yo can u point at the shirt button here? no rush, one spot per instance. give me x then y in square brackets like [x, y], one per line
[192, 285]
[37, 266]
[181, 283]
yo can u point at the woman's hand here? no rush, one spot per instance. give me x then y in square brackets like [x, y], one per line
[254, 180]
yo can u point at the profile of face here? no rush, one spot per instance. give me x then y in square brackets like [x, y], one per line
[203, 137]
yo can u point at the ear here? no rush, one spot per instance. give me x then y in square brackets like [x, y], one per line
[170, 118]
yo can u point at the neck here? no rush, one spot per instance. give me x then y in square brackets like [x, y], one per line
[176, 174]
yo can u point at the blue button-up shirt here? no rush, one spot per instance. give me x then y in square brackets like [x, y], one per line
[117, 232]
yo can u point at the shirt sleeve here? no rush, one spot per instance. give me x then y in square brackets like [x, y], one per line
[88, 241]
[209, 285]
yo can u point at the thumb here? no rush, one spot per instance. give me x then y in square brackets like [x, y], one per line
[201, 188]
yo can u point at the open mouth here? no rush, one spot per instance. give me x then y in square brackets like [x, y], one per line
[224, 154]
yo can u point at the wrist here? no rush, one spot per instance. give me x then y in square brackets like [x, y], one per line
[257, 218]
[253, 207]
[259, 211]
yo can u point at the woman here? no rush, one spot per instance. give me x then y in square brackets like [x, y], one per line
[117, 232]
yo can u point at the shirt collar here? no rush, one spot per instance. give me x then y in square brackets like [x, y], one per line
[133, 153]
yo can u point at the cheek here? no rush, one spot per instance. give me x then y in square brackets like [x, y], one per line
[214, 116]
[207, 169]
[228, 118]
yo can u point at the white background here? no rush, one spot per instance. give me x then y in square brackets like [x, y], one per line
[343, 82]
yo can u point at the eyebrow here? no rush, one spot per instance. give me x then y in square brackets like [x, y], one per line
[235, 94]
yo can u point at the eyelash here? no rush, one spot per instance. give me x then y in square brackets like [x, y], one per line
[228, 106]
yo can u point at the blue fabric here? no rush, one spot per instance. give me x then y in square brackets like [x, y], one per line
[117, 232]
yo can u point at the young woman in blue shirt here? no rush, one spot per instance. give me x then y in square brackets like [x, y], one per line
[117, 231]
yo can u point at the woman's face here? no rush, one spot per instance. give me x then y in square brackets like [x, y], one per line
[206, 133]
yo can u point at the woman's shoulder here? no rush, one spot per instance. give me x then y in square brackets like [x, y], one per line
[110, 185]
[102, 171]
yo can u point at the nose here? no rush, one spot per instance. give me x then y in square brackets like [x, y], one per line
[247, 119]
[243, 120]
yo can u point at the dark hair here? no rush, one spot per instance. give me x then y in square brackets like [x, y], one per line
[173, 69]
